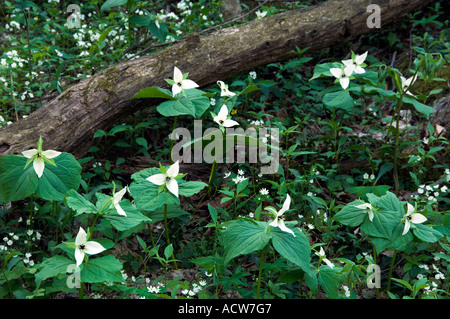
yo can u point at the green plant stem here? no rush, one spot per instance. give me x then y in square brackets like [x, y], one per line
[261, 262]
[166, 228]
[93, 225]
[390, 270]
[172, 139]
[211, 176]
[396, 151]
[81, 291]
[4, 274]
[153, 241]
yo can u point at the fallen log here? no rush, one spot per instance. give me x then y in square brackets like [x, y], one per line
[68, 122]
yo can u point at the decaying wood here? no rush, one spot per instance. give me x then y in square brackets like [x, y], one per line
[68, 122]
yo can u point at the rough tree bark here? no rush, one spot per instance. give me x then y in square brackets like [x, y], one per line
[68, 122]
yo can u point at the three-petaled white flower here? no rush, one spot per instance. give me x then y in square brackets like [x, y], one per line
[415, 218]
[222, 118]
[342, 75]
[368, 209]
[224, 89]
[355, 63]
[167, 178]
[82, 246]
[39, 158]
[407, 83]
[278, 221]
[116, 199]
[181, 82]
[323, 257]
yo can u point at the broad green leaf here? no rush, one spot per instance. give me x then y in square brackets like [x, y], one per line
[213, 213]
[189, 188]
[387, 215]
[57, 181]
[311, 281]
[173, 211]
[426, 233]
[351, 215]
[291, 276]
[340, 100]
[251, 88]
[143, 20]
[147, 196]
[79, 204]
[295, 249]
[112, 3]
[420, 107]
[323, 69]
[16, 183]
[52, 267]
[329, 280]
[101, 269]
[398, 241]
[168, 251]
[242, 237]
[383, 92]
[133, 218]
[154, 92]
[194, 103]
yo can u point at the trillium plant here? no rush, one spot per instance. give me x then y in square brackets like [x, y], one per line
[224, 91]
[39, 157]
[180, 82]
[84, 246]
[278, 235]
[356, 63]
[343, 75]
[223, 118]
[278, 221]
[411, 217]
[167, 178]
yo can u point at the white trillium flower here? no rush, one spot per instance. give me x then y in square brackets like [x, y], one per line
[322, 257]
[181, 82]
[40, 157]
[355, 63]
[342, 75]
[369, 209]
[167, 179]
[407, 83]
[222, 118]
[415, 218]
[224, 89]
[84, 246]
[116, 199]
[278, 221]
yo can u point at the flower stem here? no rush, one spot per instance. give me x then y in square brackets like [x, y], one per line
[390, 270]
[261, 262]
[81, 291]
[211, 176]
[172, 139]
[167, 235]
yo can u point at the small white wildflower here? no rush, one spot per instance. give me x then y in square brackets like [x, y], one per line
[263, 191]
